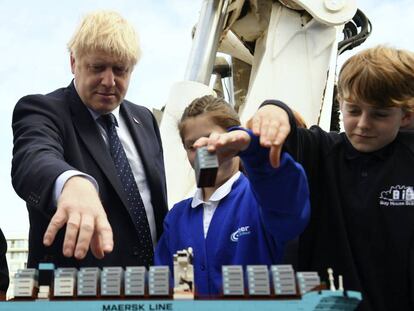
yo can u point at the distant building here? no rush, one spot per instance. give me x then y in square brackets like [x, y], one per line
[17, 252]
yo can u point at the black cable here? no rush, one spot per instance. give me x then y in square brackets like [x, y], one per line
[351, 35]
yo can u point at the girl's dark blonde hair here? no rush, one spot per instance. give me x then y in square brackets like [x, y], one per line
[381, 76]
[219, 111]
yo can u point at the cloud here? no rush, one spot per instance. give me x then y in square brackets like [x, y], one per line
[392, 23]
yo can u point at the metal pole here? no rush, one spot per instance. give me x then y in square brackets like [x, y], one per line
[206, 39]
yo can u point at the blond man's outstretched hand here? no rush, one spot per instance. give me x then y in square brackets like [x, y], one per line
[87, 226]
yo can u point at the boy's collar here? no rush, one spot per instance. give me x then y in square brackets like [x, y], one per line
[351, 153]
[406, 137]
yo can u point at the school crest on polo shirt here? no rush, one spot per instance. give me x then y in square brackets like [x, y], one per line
[244, 230]
[397, 195]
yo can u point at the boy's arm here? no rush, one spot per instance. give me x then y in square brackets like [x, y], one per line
[306, 146]
[281, 192]
[274, 123]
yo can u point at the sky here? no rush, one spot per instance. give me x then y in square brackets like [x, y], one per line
[34, 58]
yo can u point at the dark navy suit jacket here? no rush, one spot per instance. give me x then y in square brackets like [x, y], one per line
[56, 132]
[4, 272]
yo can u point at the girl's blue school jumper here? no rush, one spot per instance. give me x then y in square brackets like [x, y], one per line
[250, 225]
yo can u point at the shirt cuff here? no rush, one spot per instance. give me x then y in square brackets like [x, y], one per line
[63, 178]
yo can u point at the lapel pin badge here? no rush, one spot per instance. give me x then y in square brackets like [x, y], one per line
[136, 121]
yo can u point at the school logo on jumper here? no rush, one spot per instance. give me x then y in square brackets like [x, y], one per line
[234, 237]
[397, 196]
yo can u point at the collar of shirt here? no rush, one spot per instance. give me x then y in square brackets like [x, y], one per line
[219, 194]
[352, 154]
[95, 115]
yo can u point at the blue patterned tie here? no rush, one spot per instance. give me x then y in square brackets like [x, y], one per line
[136, 206]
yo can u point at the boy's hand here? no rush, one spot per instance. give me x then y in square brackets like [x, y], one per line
[271, 123]
[225, 145]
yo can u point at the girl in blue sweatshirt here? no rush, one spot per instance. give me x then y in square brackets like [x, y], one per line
[242, 219]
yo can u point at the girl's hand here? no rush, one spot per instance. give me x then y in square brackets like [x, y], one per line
[225, 145]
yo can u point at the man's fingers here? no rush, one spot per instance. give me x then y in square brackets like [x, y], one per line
[274, 155]
[79, 207]
[86, 231]
[105, 231]
[103, 238]
[56, 223]
[96, 248]
[71, 235]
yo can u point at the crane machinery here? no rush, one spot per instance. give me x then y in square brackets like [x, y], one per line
[252, 50]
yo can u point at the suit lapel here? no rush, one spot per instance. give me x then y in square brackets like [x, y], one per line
[90, 135]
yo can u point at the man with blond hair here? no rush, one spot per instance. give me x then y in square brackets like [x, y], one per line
[89, 163]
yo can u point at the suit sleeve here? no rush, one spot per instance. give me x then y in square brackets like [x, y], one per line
[38, 151]
[282, 193]
[4, 271]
